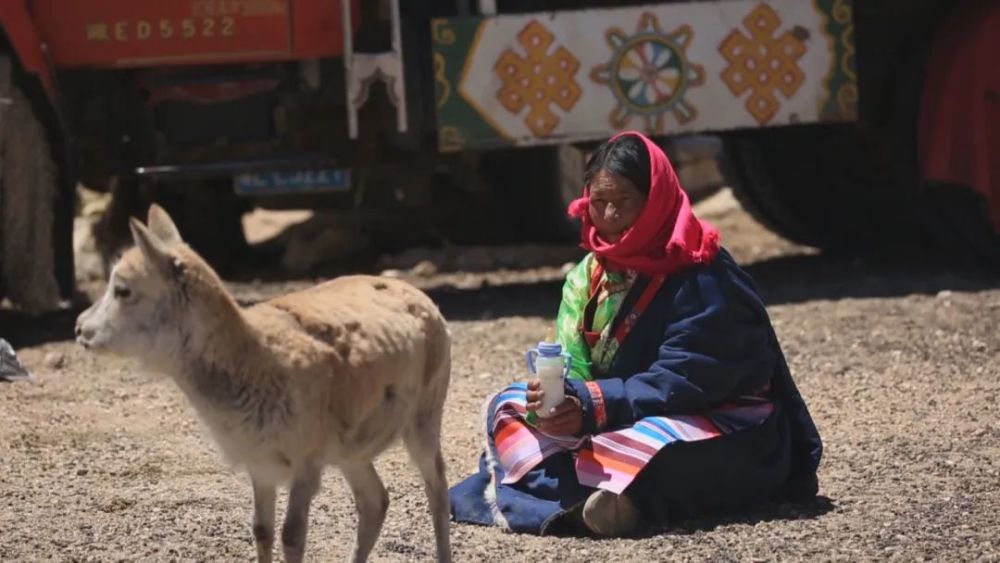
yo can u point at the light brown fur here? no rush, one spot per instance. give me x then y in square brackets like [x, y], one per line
[331, 375]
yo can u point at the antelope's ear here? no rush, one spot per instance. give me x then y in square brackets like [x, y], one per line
[163, 226]
[153, 249]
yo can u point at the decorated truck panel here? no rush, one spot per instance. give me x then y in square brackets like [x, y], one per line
[836, 123]
[667, 69]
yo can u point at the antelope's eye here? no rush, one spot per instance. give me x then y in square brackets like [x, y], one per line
[121, 292]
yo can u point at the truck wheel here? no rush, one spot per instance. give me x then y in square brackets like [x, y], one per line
[32, 243]
[959, 218]
[819, 185]
[210, 220]
[533, 187]
[570, 162]
[957, 215]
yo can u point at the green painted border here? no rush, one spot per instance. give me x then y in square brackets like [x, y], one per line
[841, 101]
[460, 125]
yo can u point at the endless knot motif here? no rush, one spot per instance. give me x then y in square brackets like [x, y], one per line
[763, 63]
[649, 74]
[538, 79]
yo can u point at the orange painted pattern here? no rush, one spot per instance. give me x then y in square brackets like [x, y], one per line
[764, 63]
[538, 79]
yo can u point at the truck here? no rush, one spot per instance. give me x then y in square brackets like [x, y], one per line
[839, 124]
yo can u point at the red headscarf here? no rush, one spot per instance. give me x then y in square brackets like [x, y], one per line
[666, 237]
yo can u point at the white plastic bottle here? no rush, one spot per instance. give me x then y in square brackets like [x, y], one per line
[548, 363]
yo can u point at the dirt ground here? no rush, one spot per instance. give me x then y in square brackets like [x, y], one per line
[898, 359]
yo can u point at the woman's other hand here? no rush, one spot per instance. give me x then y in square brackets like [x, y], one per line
[564, 420]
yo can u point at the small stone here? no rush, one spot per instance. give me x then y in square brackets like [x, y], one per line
[944, 294]
[82, 472]
[392, 274]
[424, 269]
[54, 360]
[484, 375]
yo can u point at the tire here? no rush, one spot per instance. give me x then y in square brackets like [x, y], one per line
[532, 188]
[819, 185]
[958, 217]
[36, 229]
[571, 161]
[210, 220]
[955, 215]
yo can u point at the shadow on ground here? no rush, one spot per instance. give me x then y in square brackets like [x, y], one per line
[816, 507]
[800, 510]
[23, 331]
[782, 280]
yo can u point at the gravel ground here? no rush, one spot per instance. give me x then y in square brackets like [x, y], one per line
[898, 359]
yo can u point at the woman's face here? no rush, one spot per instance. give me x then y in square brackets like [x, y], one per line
[615, 204]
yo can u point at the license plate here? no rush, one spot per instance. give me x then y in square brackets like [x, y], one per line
[270, 183]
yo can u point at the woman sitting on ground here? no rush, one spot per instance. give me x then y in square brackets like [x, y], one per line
[678, 399]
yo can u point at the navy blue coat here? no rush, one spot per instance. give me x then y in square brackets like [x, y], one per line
[704, 339]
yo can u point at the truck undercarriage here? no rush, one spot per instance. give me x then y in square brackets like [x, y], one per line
[313, 113]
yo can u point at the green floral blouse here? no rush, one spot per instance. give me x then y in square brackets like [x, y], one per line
[586, 362]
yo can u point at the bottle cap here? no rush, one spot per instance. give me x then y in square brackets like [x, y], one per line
[549, 349]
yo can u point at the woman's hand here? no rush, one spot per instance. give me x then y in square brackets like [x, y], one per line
[564, 420]
[534, 395]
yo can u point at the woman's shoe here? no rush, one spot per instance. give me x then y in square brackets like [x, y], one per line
[609, 515]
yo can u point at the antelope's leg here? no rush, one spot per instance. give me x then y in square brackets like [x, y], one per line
[372, 501]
